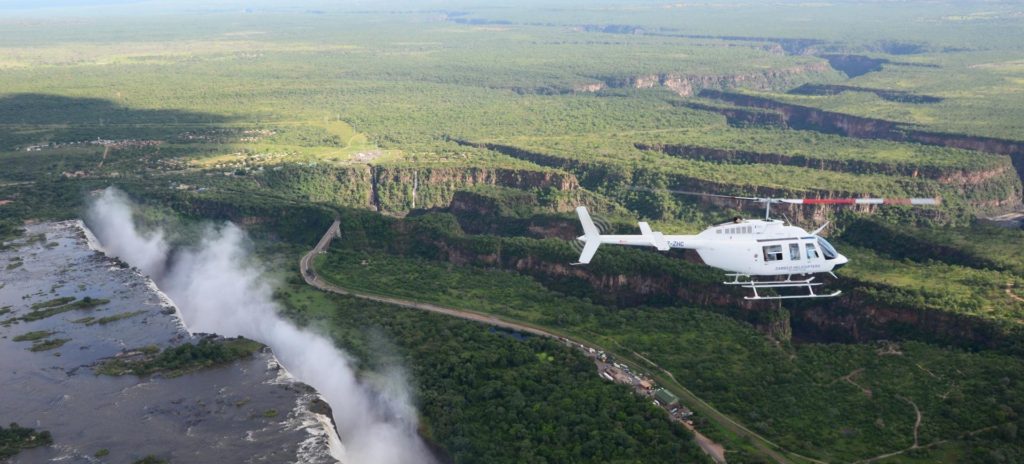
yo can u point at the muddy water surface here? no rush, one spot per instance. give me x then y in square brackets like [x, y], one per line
[249, 411]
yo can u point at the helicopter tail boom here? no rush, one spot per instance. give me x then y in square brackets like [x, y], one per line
[593, 238]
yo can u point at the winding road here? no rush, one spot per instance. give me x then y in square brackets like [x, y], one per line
[713, 449]
[311, 278]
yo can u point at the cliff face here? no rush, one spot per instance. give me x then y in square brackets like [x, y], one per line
[611, 287]
[396, 189]
[743, 117]
[890, 95]
[803, 117]
[688, 84]
[962, 179]
[856, 317]
[400, 189]
[612, 179]
[482, 214]
[855, 65]
[592, 87]
[858, 65]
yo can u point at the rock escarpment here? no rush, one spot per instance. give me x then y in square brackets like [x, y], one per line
[808, 118]
[890, 95]
[626, 279]
[684, 84]
[399, 189]
[982, 187]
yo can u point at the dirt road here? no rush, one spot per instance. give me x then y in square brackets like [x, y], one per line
[715, 450]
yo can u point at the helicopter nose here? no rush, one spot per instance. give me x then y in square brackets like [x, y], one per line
[840, 262]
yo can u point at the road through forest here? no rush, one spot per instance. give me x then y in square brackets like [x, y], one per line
[713, 449]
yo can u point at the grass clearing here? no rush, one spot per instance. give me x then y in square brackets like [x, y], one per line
[32, 336]
[46, 345]
[66, 304]
[182, 359]
[114, 318]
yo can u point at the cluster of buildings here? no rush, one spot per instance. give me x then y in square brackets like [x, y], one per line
[125, 143]
[225, 135]
[246, 161]
[641, 383]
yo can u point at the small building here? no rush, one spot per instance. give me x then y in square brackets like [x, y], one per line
[618, 375]
[646, 384]
[665, 397]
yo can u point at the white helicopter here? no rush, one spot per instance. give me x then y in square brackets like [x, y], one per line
[750, 248]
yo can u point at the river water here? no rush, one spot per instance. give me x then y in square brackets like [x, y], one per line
[249, 411]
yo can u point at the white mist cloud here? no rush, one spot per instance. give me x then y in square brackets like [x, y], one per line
[116, 230]
[219, 290]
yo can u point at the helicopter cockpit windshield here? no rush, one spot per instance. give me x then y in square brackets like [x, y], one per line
[826, 249]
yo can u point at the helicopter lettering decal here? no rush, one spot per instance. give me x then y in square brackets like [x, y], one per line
[798, 268]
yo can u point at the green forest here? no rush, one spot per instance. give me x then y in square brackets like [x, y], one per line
[454, 142]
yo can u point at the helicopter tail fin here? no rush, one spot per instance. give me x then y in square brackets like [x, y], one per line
[589, 229]
[657, 239]
[591, 236]
[588, 251]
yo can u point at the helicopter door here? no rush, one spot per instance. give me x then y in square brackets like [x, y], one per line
[794, 252]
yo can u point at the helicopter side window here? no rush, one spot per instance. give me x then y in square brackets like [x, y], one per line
[812, 253]
[827, 250]
[773, 253]
[794, 251]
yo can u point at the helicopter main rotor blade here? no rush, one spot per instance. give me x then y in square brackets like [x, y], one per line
[808, 201]
[861, 201]
[697, 194]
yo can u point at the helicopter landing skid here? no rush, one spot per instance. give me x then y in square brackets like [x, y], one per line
[752, 284]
